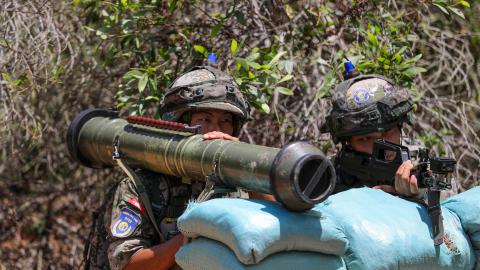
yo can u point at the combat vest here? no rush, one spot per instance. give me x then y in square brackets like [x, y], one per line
[96, 246]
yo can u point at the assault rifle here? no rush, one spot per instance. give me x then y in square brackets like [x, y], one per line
[431, 173]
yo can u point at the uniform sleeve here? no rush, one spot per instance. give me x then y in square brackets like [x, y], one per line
[129, 229]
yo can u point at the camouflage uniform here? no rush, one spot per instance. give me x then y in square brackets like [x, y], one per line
[168, 197]
[362, 105]
[126, 226]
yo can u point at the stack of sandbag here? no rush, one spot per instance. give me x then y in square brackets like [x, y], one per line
[357, 229]
[467, 207]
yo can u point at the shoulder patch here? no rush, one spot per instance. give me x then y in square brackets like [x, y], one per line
[125, 224]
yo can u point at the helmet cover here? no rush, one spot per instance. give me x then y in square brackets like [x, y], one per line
[366, 104]
[203, 88]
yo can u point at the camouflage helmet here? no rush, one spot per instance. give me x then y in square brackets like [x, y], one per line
[205, 87]
[366, 104]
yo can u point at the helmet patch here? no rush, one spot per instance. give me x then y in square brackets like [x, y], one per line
[361, 96]
[366, 92]
[193, 77]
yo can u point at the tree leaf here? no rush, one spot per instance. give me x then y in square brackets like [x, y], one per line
[253, 90]
[288, 66]
[240, 17]
[276, 58]
[402, 50]
[172, 6]
[7, 77]
[290, 11]
[457, 11]
[465, 3]
[265, 108]
[142, 82]
[233, 47]
[327, 85]
[215, 29]
[414, 59]
[254, 65]
[152, 98]
[373, 39]
[286, 78]
[200, 49]
[442, 8]
[398, 58]
[413, 71]
[242, 62]
[137, 74]
[284, 91]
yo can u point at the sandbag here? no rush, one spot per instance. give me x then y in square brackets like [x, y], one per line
[193, 256]
[254, 229]
[467, 206]
[382, 231]
[475, 239]
[386, 232]
[477, 266]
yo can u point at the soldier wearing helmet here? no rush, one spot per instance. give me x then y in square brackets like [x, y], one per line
[204, 96]
[367, 108]
[204, 88]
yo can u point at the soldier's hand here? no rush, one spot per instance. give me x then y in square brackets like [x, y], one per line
[187, 240]
[405, 184]
[218, 135]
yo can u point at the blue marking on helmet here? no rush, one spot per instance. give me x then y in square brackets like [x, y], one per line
[212, 58]
[361, 96]
[349, 69]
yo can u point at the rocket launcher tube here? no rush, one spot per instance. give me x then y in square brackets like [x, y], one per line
[298, 175]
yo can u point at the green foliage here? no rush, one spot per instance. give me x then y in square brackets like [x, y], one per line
[128, 31]
[450, 8]
[143, 33]
[383, 43]
[432, 141]
[260, 74]
[385, 49]
[15, 82]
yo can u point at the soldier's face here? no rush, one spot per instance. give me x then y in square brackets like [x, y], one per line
[213, 120]
[364, 143]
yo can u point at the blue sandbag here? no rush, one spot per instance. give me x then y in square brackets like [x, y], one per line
[254, 229]
[477, 266]
[475, 239]
[382, 231]
[467, 206]
[219, 257]
[386, 232]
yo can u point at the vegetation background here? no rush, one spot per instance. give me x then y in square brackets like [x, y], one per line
[58, 58]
